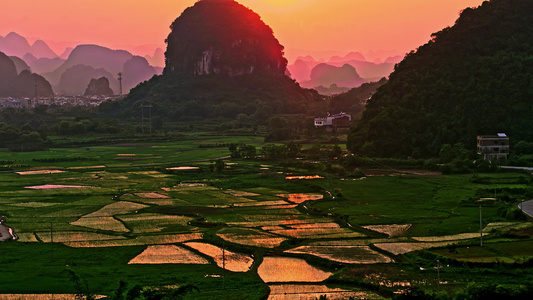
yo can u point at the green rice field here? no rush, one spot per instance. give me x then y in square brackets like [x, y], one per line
[90, 211]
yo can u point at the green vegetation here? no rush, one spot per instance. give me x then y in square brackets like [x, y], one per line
[131, 198]
[471, 79]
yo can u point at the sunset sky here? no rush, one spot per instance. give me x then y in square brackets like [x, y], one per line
[316, 27]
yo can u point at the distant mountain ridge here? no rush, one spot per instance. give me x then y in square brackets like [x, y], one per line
[21, 84]
[14, 44]
[91, 61]
[327, 75]
[303, 67]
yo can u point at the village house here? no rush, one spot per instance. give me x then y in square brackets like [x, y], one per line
[493, 147]
[334, 122]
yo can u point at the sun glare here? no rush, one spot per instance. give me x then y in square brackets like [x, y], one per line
[281, 2]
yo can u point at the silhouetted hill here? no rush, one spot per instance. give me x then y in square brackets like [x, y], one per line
[221, 61]
[349, 56]
[43, 65]
[158, 59]
[136, 70]
[20, 64]
[369, 71]
[75, 79]
[326, 75]
[8, 70]
[20, 85]
[16, 45]
[300, 71]
[102, 62]
[98, 87]
[41, 50]
[66, 53]
[473, 78]
[25, 83]
[205, 41]
[95, 56]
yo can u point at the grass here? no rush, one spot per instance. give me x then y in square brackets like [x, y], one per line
[137, 205]
[433, 204]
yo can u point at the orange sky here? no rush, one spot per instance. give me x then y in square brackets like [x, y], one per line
[315, 27]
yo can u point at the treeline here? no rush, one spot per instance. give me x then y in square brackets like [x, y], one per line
[180, 97]
[24, 138]
[471, 79]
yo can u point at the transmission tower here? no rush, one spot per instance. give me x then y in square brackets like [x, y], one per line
[120, 82]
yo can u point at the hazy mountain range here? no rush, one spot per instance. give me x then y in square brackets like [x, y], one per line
[345, 72]
[71, 72]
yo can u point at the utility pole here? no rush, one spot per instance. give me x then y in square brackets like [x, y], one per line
[480, 228]
[120, 82]
[51, 241]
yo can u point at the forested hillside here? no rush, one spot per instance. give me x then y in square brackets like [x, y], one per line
[473, 78]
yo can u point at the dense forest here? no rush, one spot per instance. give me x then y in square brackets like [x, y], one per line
[473, 78]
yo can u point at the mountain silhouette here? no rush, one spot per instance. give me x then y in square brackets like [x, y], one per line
[42, 65]
[75, 79]
[158, 59]
[205, 41]
[222, 60]
[8, 70]
[369, 71]
[94, 56]
[326, 75]
[28, 85]
[20, 64]
[66, 53]
[101, 61]
[98, 87]
[23, 84]
[136, 70]
[41, 50]
[349, 56]
[14, 44]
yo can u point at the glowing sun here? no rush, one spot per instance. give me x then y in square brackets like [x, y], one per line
[282, 2]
